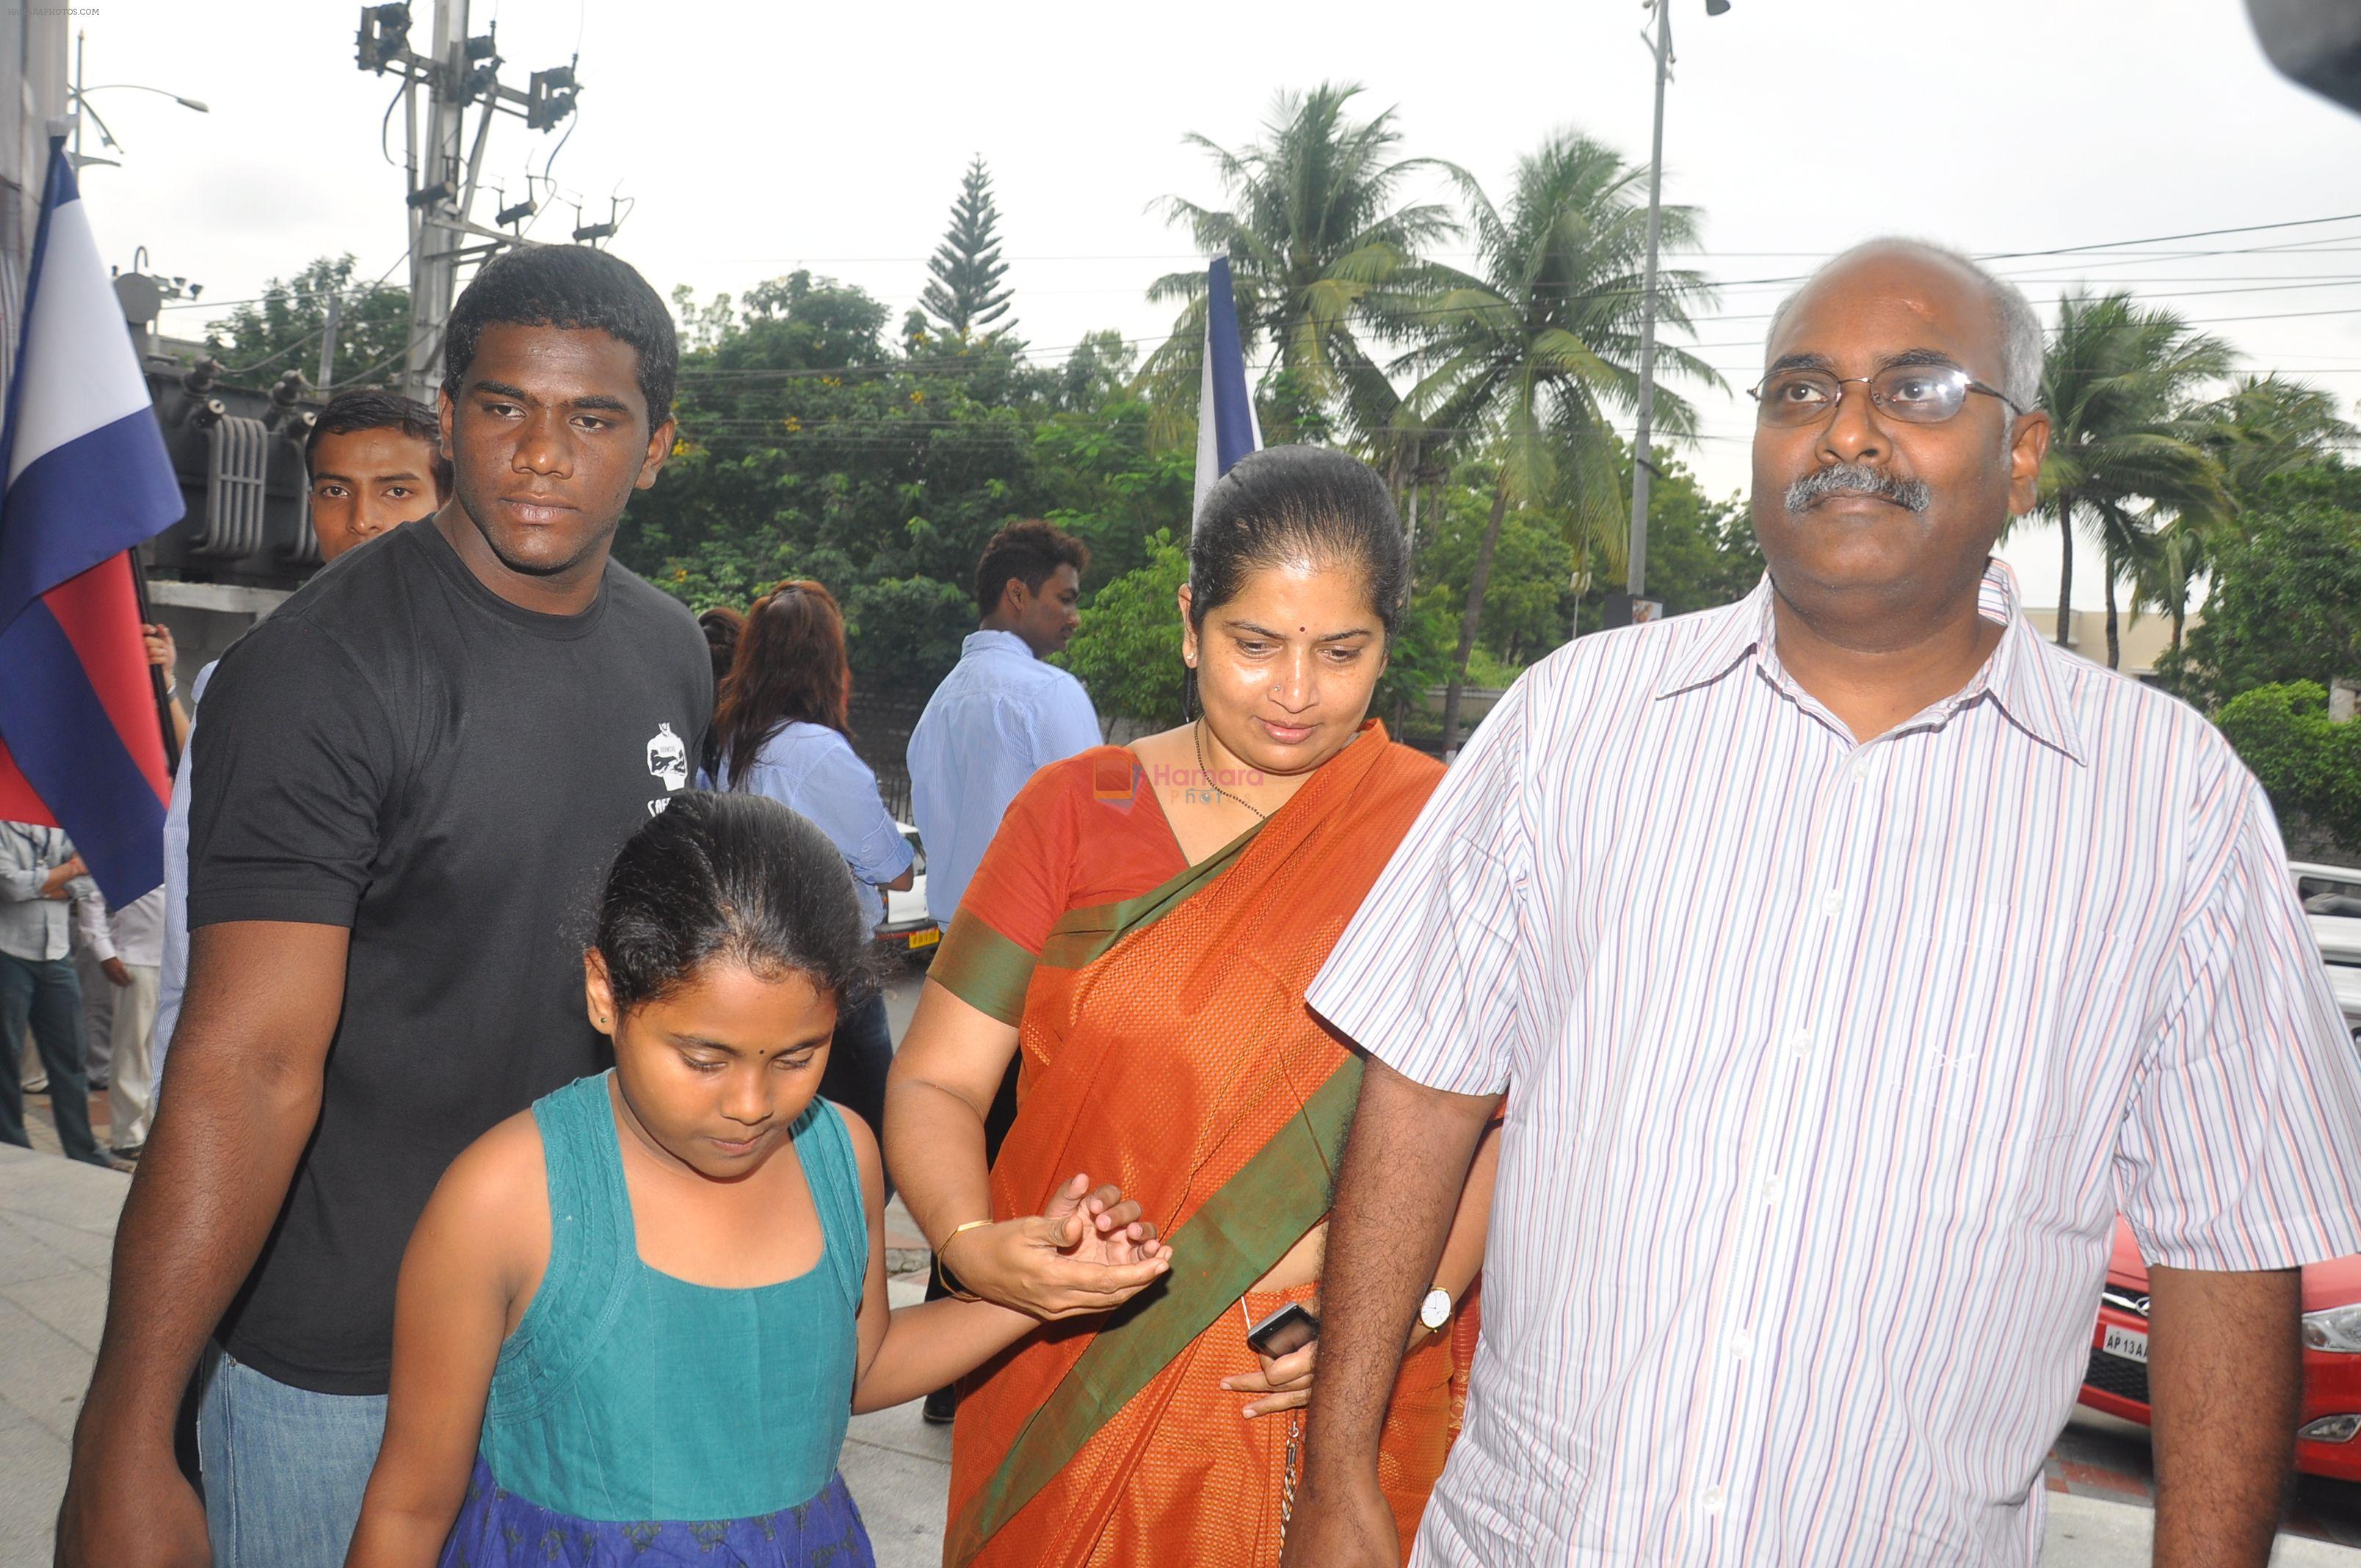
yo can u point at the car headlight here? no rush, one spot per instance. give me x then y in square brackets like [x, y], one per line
[2332, 1429]
[2334, 1328]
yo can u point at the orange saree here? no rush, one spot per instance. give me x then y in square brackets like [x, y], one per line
[1165, 1046]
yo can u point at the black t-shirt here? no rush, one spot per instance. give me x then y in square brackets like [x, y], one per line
[400, 751]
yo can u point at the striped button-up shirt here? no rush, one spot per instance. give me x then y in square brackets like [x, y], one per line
[33, 927]
[1829, 1065]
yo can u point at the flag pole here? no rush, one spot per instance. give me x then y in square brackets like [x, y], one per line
[155, 671]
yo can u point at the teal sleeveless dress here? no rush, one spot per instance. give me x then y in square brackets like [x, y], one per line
[636, 1418]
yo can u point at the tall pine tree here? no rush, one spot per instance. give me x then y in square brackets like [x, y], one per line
[965, 294]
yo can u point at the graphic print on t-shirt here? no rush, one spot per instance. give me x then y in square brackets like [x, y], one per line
[668, 761]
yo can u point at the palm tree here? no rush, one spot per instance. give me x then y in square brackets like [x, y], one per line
[1533, 348]
[1313, 223]
[2262, 426]
[2120, 383]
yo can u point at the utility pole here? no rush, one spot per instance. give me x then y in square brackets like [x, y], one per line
[456, 72]
[439, 202]
[328, 344]
[1634, 604]
[1635, 574]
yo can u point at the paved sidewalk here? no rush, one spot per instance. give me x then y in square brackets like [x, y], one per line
[57, 1229]
[57, 1226]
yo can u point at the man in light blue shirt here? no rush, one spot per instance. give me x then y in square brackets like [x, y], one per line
[40, 875]
[999, 717]
[1001, 713]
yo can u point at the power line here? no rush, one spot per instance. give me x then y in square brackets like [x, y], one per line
[1718, 251]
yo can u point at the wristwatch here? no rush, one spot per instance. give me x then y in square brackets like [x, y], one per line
[1435, 1311]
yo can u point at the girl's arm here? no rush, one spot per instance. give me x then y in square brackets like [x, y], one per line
[472, 1265]
[910, 1351]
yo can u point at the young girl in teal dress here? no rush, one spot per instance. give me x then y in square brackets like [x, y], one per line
[634, 1321]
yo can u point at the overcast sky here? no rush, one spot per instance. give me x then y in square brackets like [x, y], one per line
[751, 139]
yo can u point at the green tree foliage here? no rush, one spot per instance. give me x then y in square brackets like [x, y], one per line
[262, 341]
[809, 445]
[2262, 427]
[2285, 600]
[965, 292]
[2123, 385]
[1128, 655]
[1315, 222]
[1530, 606]
[1539, 347]
[2309, 766]
[905, 632]
[1701, 552]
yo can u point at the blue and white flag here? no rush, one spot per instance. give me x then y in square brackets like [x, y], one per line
[1226, 429]
[88, 481]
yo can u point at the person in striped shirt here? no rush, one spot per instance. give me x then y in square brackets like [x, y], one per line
[1849, 957]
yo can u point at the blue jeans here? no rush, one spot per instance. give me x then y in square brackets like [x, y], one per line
[45, 993]
[284, 1468]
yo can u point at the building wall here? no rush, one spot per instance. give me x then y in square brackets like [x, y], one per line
[32, 93]
[2143, 641]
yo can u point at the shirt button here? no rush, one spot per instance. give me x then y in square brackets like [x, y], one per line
[1801, 1045]
[1741, 1343]
[1832, 901]
[1861, 770]
[1712, 1498]
[1772, 1187]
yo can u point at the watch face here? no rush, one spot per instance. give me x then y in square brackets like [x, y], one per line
[1435, 1311]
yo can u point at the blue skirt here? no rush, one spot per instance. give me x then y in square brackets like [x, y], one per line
[497, 1528]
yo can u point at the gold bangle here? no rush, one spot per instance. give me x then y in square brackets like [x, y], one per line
[950, 1281]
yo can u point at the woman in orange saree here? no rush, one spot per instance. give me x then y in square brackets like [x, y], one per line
[1140, 936]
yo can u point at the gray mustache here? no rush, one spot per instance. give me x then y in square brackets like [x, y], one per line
[1854, 479]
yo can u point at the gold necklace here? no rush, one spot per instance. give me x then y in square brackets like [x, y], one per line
[1197, 734]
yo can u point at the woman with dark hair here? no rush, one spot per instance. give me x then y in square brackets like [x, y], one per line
[779, 729]
[634, 1318]
[1139, 937]
[722, 625]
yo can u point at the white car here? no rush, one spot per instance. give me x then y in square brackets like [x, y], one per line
[2330, 897]
[908, 925]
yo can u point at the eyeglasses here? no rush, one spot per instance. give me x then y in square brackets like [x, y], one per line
[1915, 394]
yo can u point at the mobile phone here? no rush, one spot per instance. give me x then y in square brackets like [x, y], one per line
[1283, 1332]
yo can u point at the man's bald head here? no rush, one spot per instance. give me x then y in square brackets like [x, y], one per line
[2018, 334]
[1870, 517]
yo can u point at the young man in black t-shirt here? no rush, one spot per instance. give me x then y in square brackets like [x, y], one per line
[409, 780]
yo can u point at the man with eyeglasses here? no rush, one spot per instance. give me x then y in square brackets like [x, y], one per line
[1849, 957]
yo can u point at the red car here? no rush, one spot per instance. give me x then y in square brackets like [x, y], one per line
[2328, 1432]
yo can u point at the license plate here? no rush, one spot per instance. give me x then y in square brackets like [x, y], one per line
[926, 938]
[2129, 1343]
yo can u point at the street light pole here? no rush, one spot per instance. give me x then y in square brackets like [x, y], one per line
[1636, 575]
[80, 96]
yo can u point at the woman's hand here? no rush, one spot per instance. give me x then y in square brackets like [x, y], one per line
[1286, 1381]
[1088, 1251]
[162, 652]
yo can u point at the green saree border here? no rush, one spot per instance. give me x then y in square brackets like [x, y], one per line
[991, 973]
[1082, 937]
[982, 968]
[1228, 1243]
